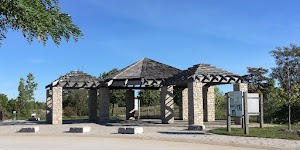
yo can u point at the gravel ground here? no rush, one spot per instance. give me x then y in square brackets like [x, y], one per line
[153, 130]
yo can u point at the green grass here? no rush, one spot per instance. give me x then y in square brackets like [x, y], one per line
[267, 132]
[75, 118]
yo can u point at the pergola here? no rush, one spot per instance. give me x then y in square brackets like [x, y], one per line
[144, 74]
[72, 80]
[196, 86]
[196, 91]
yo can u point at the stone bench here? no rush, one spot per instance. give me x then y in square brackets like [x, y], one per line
[196, 127]
[30, 129]
[80, 129]
[130, 130]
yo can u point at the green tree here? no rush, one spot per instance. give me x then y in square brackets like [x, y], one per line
[38, 19]
[273, 100]
[149, 97]
[12, 105]
[220, 104]
[287, 72]
[75, 100]
[25, 99]
[256, 79]
[219, 97]
[3, 102]
[30, 87]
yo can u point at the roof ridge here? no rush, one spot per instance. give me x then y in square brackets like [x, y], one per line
[126, 68]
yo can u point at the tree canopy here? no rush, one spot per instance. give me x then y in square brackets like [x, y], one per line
[25, 100]
[38, 19]
[256, 79]
[287, 72]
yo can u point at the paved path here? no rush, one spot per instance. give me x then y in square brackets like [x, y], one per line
[176, 132]
[91, 143]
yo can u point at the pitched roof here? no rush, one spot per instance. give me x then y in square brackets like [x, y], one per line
[210, 73]
[76, 79]
[145, 69]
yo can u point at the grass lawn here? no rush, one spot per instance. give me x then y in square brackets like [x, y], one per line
[267, 132]
[75, 118]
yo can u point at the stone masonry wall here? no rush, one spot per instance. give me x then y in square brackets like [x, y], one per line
[209, 103]
[129, 104]
[195, 103]
[167, 104]
[92, 104]
[57, 105]
[49, 106]
[104, 104]
[184, 94]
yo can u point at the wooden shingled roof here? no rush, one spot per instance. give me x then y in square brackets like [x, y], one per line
[76, 80]
[204, 73]
[143, 72]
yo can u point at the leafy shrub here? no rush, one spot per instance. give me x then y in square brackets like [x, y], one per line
[69, 111]
[281, 115]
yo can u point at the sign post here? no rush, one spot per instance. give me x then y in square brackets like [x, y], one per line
[261, 111]
[246, 119]
[228, 114]
[243, 104]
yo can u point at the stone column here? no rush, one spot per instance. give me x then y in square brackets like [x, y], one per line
[56, 105]
[104, 104]
[209, 103]
[129, 104]
[240, 87]
[183, 103]
[167, 104]
[195, 106]
[92, 105]
[49, 106]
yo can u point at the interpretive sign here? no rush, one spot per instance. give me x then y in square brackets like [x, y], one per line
[253, 103]
[136, 104]
[236, 103]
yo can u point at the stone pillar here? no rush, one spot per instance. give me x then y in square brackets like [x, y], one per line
[49, 106]
[104, 104]
[92, 105]
[195, 106]
[56, 105]
[240, 87]
[209, 103]
[183, 103]
[129, 104]
[167, 104]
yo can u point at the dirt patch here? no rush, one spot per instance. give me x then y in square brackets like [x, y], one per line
[293, 130]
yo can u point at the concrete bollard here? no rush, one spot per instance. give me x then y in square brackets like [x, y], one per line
[130, 130]
[80, 129]
[30, 129]
[196, 127]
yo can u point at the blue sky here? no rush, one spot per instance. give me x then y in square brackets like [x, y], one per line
[231, 34]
